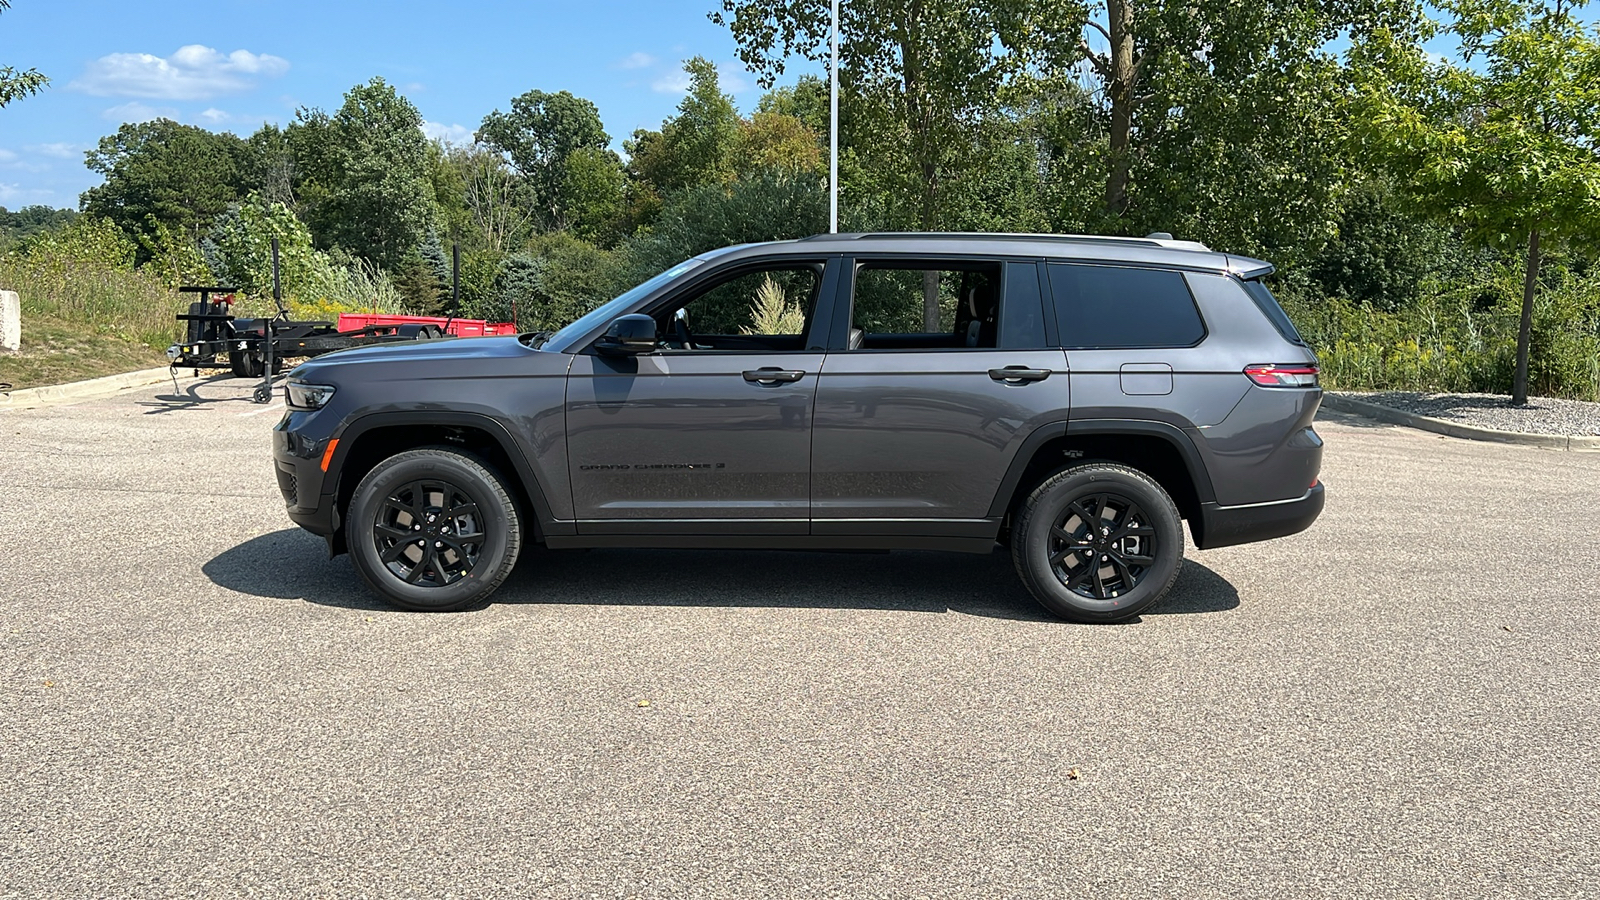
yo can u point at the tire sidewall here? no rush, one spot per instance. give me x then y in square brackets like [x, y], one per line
[499, 524]
[1050, 504]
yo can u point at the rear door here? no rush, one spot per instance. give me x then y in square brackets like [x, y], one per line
[915, 426]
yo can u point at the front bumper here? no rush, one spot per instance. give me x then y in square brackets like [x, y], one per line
[309, 494]
[1225, 526]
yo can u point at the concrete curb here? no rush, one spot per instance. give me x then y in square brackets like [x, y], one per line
[80, 391]
[1577, 442]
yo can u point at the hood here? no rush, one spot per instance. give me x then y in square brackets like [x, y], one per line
[438, 358]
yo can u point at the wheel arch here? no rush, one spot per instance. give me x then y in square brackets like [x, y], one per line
[373, 438]
[1159, 449]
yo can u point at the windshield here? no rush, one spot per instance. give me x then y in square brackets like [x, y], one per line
[608, 311]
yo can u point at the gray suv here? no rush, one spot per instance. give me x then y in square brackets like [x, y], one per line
[1069, 398]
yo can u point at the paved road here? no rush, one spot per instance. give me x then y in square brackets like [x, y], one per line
[1402, 702]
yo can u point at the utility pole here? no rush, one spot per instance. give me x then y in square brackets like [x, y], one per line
[833, 128]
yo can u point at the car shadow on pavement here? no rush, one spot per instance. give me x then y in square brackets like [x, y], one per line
[292, 565]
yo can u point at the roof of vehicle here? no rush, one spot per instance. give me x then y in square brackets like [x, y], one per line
[1157, 249]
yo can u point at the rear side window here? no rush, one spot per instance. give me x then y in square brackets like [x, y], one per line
[1107, 308]
[1270, 308]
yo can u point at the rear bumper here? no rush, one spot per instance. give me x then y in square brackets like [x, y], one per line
[1224, 526]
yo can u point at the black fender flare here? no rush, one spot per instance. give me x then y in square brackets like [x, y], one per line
[497, 431]
[1180, 440]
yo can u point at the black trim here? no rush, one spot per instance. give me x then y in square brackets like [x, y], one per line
[1019, 464]
[769, 542]
[1180, 439]
[1225, 526]
[351, 433]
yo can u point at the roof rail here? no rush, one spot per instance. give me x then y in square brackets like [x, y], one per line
[1158, 239]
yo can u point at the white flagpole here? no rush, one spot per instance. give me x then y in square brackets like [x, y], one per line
[833, 129]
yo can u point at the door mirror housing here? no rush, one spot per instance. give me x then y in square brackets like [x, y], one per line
[628, 335]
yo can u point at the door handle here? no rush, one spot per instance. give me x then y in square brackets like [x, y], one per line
[773, 375]
[1018, 374]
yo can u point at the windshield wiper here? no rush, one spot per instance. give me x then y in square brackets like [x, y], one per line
[537, 339]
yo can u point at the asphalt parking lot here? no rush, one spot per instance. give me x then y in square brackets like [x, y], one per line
[1404, 701]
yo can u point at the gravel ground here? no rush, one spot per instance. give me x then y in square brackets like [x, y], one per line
[1542, 415]
[1404, 701]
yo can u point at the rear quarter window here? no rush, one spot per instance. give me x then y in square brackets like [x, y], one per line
[1110, 307]
[1274, 312]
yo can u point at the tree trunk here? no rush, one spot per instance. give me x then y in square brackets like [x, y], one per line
[1530, 286]
[1119, 89]
[924, 151]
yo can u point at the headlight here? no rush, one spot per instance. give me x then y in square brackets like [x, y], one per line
[308, 396]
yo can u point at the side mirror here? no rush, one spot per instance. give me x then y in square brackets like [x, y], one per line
[628, 335]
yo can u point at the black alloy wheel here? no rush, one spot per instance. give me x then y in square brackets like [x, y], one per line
[433, 529]
[1102, 546]
[1097, 542]
[429, 532]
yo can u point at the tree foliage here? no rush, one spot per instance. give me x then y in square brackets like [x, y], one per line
[163, 172]
[14, 84]
[1508, 144]
[365, 171]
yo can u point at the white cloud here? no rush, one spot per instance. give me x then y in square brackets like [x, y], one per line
[215, 116]
[194, 72]
[674, 83]
[450, 134]
[7, 156]
[58, 151]
[637, 61]
[731, 77]
[11, 193]
[135, 112]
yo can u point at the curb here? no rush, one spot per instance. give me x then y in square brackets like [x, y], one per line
[79, 391]
[1576, 442]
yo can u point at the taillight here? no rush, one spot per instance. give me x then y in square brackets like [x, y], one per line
[1282, 376]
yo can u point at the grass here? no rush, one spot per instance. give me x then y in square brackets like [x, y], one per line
[56, 351]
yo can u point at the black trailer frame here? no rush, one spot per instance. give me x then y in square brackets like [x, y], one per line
[255, 348]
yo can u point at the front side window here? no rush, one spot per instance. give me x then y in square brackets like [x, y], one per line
[1111, 307]
[905, 306]
[759, 309]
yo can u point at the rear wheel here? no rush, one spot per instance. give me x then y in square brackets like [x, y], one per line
[1099, 542]
[433, 530]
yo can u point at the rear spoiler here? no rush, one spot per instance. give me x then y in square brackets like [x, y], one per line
[1248, 269]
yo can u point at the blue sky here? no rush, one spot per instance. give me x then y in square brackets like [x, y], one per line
[233, 64]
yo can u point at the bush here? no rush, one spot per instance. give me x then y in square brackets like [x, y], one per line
[1461, 337]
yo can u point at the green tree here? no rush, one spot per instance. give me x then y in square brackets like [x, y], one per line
[1504, 142]
[367, 185]
[163, 172]
[772, 141]
[914, 72]
[15, 85]
[537, 137]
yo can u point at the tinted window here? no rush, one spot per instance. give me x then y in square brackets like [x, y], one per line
[1102, 307]
[913, 306]
[1269, 306]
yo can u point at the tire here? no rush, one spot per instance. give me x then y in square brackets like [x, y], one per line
[390, 507]
[244, 364]
[1140, 545]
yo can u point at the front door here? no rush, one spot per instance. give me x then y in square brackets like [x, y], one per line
[714, 428]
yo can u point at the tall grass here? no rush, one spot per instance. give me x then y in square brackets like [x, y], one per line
[1459, 338]
[138, 305]
[104, 298]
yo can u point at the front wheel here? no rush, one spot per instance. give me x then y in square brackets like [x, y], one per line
[1098, 542]
[433, 530]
